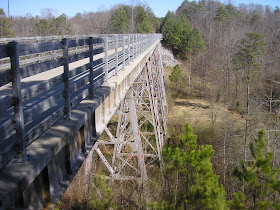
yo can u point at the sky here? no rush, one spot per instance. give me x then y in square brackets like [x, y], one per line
[71, 7]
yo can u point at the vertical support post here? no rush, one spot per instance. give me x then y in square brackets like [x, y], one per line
[128, 48]
[116, 55]
[91, 67]
[123, 51]
[106, 60]
[67, 106]
[17, 100]
[136, 136]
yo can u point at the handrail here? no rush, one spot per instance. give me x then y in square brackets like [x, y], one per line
[71, 70]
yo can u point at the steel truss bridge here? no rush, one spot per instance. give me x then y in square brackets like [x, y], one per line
[58, 95]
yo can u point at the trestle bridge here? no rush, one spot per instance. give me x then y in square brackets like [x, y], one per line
[57, 96]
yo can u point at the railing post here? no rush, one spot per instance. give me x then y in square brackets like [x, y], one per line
[116, 55]
[136, 45]
[106, 60]
[128, 48]
[133, 46]
[67, 105]
[17, 101]
[141, 43]
[145, 43]
[123, 51]
[91, 67]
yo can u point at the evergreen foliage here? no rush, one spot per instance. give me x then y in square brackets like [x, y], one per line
[5, 25]
[222, 14]
[53, 26]
[262, 184]
[178, 33]
[119, 22]
[145, 27]
[251, 47]
[143, 24]
[191, 9]
[176, 76]
[197, 186]
[105, 199]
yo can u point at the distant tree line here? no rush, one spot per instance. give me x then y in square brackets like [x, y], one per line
[119, 19]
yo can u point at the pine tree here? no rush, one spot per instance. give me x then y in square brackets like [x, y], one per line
[119, 22]
[176, 76]
[196, 185]
[5, 25]
[102, 198]
[262, 184]
[222, 15]
[251, 47]
[145, 26]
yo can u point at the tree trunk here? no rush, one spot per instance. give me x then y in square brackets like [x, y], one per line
[247, 116]
[224, 174]
[190, 70]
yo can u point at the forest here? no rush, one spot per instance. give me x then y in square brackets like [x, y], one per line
[228, 59]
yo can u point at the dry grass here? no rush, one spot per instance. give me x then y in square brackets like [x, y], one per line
[197, 112]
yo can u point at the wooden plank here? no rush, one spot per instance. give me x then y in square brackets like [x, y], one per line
[4, 52]
[5, 77]
[6, 128]
[27, 49]
[35, 111]
[38, 89]
[9, 155]
[78, 70]
[79, 84]
[98, 51]
[79, 56]
[45, 124]
[98, 72]
[79, 97]
[98, 63]
[30, 70]
[6, 103]
[97, 40]
[99, 81]
[77, 42]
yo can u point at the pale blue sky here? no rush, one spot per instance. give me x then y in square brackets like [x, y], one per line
[71, 7]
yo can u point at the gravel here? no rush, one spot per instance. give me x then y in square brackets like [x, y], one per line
[168, 58]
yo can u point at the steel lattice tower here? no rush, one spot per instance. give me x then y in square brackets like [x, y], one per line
[141, 126]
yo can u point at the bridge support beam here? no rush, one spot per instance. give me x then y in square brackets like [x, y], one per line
[138, 140]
